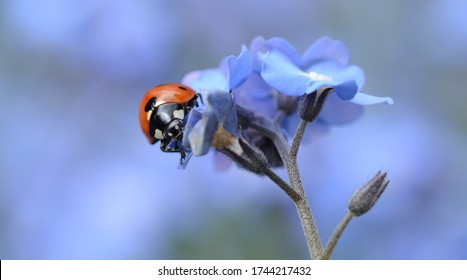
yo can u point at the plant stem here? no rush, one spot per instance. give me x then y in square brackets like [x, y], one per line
[250, 151]
[297, 139]
[310, 229]
[303, 206]
[336, 235]
[272, 130]
[282, 184]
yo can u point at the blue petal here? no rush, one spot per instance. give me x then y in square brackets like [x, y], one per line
[339, 73]
[254, 87]
[264, 105]
[193, 118]
[346, 90]
[282, 45]
[202, 134]
[325, 48]
[338, 112]
[238, 68]
[280, 73]
[260, 45]
[201, 127]
[206, 79]
[221, 103]
[365, 99]
[355, 73]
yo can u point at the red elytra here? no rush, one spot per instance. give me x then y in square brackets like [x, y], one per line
[166, 93]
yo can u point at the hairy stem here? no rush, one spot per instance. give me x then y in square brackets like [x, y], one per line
[303, 207]
[336, 235]
[297, 139]
[264, 168]
[310, 229]
[272, 130]
[282, 184]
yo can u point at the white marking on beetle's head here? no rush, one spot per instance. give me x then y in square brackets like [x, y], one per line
[179, 114]
[158, 134]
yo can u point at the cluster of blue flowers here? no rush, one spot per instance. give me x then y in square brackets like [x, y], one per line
[272, 80]
[251, 101]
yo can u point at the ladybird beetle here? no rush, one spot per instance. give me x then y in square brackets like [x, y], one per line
[162, 113]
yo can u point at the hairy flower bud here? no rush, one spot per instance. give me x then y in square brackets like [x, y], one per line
[366, 196]
[310, 105]
[245, 155]
[265, 145]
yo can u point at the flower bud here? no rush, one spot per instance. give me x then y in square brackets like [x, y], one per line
[245, 156]
[311, 104]
[265, 145]
[366, 196]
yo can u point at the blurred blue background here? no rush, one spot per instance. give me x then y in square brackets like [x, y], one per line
[78, 180]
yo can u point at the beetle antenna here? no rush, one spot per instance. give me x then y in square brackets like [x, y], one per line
[200, 97]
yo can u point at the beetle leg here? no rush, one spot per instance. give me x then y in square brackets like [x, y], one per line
[200, 98]
[175, 148]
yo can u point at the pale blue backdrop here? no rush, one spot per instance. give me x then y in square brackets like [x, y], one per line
[79, 181]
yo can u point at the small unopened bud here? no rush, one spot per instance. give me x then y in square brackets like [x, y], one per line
[246, 156]
[366, 196]
[311, 104]
[265, 145]
[255, 155]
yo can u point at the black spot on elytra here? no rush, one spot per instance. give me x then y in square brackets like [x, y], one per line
[182, 88]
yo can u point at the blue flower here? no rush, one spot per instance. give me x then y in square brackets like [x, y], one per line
[255, 93]
[324, 64]
[261, 45]
[201, 127]
[267, 79]
[232, 72]
[218, 107]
